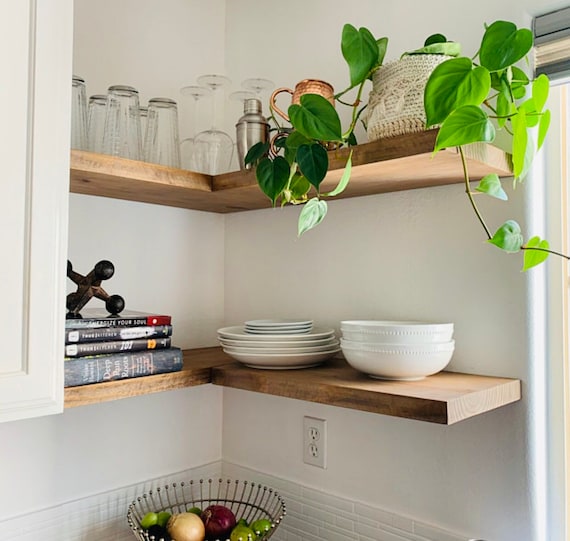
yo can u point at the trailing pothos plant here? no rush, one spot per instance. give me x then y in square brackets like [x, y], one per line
[291, 169]
[472, 99]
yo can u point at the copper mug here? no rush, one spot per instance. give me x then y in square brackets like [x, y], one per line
[306, 86]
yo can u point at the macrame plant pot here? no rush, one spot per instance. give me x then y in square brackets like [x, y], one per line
[396, 101]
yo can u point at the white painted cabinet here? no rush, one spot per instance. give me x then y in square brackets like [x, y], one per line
[35, 96]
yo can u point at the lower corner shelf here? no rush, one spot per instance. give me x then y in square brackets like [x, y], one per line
[445, 398]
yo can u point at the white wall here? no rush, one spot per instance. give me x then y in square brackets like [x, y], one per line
[410, 255]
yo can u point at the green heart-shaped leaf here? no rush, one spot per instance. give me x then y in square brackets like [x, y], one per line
[503, 45]
[435, 38]
[491, 185]
[532, 116]
[465, 125]
[518, 77]
[505, 108]
[453, 84]
[312, 214]
[523, 145]
[299, 187]
[344, 179]
[534, 253]
[360, 50]
[294, 140]
[543, 127]
[256, 152]
[540, 88]
[508, 237]
[272, 176]
[313, 161]
[382, 44]
[316, 118]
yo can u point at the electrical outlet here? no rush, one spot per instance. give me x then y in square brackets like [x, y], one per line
[315, 441]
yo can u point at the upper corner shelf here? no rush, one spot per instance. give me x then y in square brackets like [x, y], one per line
[398, 163]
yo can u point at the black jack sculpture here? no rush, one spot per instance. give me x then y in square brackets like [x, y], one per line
[89, 286]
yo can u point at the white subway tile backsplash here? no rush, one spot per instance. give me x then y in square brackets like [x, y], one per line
[317, 497]
[319, 514]
[312, 515]
[344, 523]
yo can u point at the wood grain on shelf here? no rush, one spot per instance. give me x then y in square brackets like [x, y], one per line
[197, 371]
[393, 164]
[131, 180]
[444, 398]
[399, 163]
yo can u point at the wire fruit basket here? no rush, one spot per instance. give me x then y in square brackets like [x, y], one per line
[247, 500]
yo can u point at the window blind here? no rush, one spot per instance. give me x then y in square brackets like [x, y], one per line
[552, 41]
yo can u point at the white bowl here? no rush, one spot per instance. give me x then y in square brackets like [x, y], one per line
[397, 361]
[396, 332]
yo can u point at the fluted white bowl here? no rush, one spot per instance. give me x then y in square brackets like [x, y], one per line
[396, 332]
[396, 361]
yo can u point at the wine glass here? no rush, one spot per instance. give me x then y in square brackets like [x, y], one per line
[213, 148]
[187, 146]
[257, 85]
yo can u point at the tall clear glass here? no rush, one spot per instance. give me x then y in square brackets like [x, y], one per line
[187, 150]
[79, 114]
[162, 141]
[213, 148]
[122, 123]
[96, 112]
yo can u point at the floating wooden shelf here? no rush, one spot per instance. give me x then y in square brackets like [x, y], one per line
[398, 163]
[444, 398]
[198, 364]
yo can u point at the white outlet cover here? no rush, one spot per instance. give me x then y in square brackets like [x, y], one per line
[314, 441]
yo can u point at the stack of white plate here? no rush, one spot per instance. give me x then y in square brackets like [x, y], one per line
[278, 326]
[397, 350]
[274, 345]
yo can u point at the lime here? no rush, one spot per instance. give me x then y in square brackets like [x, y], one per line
[261, 525]
[162, 518]
[242, 533]
[195, 510]
[150, 519]
[242, 522]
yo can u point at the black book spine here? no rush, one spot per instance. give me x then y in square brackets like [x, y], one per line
[103, 334]
[115, 346]
[101, 368]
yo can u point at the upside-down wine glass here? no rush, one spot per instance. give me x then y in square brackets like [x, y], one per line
[213, 148]
[257, 85]
[187, 146]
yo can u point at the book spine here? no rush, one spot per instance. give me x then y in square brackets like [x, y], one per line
[102, 334]
[115, 346]
[127, 321]
[101, 368]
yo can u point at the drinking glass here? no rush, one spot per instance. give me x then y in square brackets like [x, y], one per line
[162, 141]
[122, 135]
[187, 155]
[213, 148]
[96, 112]
[79, 114]
[257, 85]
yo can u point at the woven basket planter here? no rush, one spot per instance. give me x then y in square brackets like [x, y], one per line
[396, 101]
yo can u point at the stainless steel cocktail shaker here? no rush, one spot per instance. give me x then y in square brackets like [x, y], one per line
[251, 128]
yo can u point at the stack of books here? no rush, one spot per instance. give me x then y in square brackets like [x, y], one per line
[100, 347]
